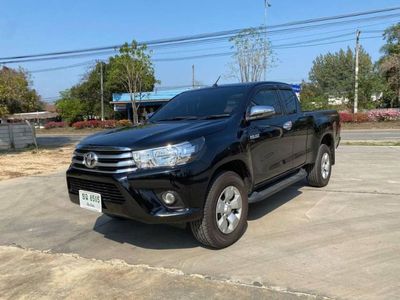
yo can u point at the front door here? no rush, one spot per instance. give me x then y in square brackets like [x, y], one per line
[271, 147]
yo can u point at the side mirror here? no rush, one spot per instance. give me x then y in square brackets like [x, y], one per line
[260, 112]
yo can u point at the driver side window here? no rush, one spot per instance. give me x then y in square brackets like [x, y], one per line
[267, 98]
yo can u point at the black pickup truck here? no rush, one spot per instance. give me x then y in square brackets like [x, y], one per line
[204, 156]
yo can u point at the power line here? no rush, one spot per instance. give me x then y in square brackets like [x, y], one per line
[232, 52]
[62, 67]
[202, 37]
[299, 44]
[105, 52]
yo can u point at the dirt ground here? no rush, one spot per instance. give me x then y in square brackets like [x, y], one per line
[32, 162]
[29, 274]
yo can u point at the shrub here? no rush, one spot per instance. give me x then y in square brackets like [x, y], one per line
[346, 117]
[95, 124]
[53, 124]
[124, 123]
[384, 115]
[361, 117]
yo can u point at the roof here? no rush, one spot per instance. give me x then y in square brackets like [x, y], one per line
[157, 95]
[33, 115]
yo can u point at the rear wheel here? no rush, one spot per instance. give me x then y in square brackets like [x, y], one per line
[225, 212]
[320, 172]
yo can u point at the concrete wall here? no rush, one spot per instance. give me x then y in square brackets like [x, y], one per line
[15, 136]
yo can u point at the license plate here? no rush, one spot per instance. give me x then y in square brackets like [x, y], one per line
[90, 200]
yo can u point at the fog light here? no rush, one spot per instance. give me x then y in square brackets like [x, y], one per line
[169, 198]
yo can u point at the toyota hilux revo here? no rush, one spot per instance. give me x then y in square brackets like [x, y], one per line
[204, 156]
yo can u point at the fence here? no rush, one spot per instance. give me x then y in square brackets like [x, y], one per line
[16, 136]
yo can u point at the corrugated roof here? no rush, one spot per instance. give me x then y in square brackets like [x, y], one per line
[150, 96]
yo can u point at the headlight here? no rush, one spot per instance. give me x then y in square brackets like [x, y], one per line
[167, 156]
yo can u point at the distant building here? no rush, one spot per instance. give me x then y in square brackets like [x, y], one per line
[148, 102]
[38, 118]
[343, 100]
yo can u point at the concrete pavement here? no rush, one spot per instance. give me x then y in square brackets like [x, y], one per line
[59, 276]
[340, 241]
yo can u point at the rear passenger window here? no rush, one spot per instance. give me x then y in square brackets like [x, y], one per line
[267, 98]
[290, 100]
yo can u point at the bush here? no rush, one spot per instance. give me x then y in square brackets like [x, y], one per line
[361, 117]
[346, 117]
[92, 124]
[52, 124]
[384, 115]
[124, 123]
[101, 124]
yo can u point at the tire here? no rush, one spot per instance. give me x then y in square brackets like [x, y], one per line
[318, 176]
[218, 209]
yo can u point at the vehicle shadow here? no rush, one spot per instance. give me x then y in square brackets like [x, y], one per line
[260, 209]
[161, 236]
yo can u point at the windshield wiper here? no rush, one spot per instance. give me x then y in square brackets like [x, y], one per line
[215, 116]
[180, 118]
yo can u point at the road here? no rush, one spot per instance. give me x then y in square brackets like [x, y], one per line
[58, 140]
[341, 241]
[371, 135]
[347, 135]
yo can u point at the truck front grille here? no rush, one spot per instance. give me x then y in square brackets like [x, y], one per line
[108, 160]
[108, 191]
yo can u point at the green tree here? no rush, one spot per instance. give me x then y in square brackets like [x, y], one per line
[311, 97]
[332, 75]
[16, 94]
[134, 70]
[3, 110]
[70, 109]
[389, 64]
[252, 55]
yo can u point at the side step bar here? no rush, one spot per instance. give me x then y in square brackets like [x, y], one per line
[280, 185]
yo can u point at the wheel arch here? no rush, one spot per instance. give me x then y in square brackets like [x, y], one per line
[239, 167]
[328, 139]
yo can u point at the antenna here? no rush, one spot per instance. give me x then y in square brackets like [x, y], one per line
[216, 82]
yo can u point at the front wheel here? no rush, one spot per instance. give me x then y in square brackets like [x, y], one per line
[225, 212]
[320, 172]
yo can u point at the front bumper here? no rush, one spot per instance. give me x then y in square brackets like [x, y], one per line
[137, 195]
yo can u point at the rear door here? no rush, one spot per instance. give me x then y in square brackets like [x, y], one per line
[271, 147]
[298, 126]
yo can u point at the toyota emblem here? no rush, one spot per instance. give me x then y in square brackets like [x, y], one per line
[90, 160]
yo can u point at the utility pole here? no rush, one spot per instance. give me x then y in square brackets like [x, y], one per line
[266, 5]
[101, 91]
[193, 82]
[355, 107]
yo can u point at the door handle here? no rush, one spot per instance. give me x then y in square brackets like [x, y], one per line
[287, 125]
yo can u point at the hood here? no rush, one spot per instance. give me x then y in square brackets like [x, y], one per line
[155, 134]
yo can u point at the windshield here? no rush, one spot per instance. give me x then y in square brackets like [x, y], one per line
[202, 103]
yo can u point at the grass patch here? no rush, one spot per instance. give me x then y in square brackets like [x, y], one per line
[372, 125]
[371, 143]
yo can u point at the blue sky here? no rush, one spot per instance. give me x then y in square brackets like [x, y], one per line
[29, 27]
